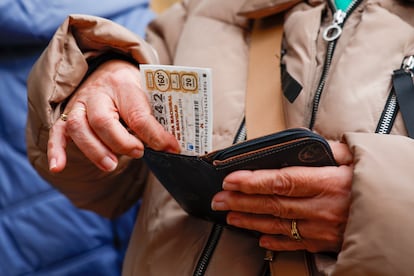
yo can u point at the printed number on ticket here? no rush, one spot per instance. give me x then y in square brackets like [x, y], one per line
[181, 99]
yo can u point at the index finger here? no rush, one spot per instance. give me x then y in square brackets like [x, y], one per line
[137, 114]
[289, 181]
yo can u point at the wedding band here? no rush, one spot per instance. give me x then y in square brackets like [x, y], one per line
[294, 231]
[64, 117]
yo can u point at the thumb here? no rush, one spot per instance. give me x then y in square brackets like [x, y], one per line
[341, 152]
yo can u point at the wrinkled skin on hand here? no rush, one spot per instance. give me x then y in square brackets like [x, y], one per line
[267, 200]
[108, 115]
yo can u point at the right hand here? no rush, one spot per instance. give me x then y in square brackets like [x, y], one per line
[110, 94]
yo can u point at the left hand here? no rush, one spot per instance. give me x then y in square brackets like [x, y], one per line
[267, 201]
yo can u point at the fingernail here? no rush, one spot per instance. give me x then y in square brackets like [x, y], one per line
[219, 206]
[233, 220]
[109, 164]
[52, 164]
[136, 153]
[218, 203]
[264, 243]
[229, 186]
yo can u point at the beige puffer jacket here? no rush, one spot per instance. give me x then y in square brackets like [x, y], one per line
[375, 39]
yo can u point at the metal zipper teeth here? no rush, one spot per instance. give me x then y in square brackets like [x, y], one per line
[384, 127]
[241, 133]
[317, 97]
[217, 228]
[391, 107]
[328, 60]
[208, 250]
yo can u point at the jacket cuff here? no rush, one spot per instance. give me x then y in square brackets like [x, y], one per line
[65, 62]
[380, 225]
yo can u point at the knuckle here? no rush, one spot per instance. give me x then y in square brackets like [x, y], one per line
[122, 147]
[273, 205]
[115, 77]
[283, 184]
[50, 144]
[258, 182]
[73, 123]
[101, 123]
[139, 119]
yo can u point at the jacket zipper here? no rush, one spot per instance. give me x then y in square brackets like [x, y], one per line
[208, 250]
[391, 107]
[217, 228]
[408, 65]
[331, 34]
[388, 116]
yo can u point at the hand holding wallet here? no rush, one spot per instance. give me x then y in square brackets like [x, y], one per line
[194, 180]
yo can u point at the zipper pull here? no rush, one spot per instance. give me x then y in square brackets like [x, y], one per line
[408, 65]
[334, 30]
[269, 255]
[402, 80]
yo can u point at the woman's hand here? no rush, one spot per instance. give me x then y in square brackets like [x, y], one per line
[316, 199]
[93, 120]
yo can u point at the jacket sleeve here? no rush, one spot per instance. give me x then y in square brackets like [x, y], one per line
[378, 238]
[54, 77]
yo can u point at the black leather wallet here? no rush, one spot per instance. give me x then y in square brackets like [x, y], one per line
[194, 180]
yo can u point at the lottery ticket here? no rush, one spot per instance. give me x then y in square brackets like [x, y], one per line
[181, 100]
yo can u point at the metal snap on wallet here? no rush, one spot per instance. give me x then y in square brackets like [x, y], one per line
[194, 180]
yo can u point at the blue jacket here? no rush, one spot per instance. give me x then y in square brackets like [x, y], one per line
[41, 232]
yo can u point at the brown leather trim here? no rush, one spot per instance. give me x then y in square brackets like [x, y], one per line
[264, 87]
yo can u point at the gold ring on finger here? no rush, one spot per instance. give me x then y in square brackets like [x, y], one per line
[294, 231]
[64, 117]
